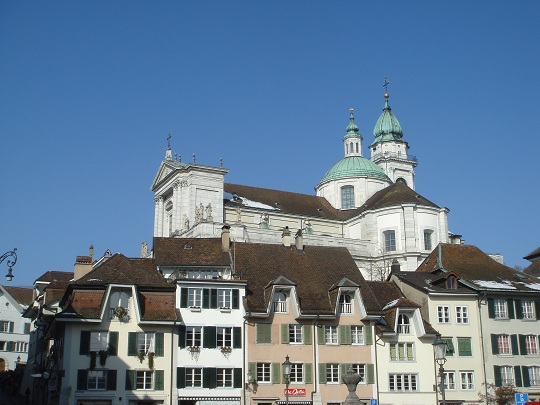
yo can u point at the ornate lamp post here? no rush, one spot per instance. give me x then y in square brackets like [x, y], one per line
[440, 357]
[287, 374]
[10, 262]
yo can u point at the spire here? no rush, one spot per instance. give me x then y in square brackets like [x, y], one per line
[387, 127]
[352, 141]
[168, 153]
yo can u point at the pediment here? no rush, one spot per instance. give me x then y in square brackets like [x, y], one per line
[165, 169]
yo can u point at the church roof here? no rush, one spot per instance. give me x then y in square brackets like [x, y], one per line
[354, 166]
[396, 194]
[190, 251]
[387, 127]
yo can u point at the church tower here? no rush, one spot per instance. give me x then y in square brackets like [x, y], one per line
[389, 151]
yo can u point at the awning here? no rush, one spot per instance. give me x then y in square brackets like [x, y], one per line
[294, 402]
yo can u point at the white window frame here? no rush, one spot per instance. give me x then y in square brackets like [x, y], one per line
[357, 335]
[531, 343]
[504, 345]
[194, 336]
[6, 326]
[295, 333]
[390, 244]
[527, 308]
[195, 297]
[450, 380]
[145, 341]
[97, 380]
[404, 351]
[403, 382]
[443, 314]
[264, 372]
[467, 380]
[194, 376]
[144, 379]
[297, 373]
[345, 304]
[360, 369]
[427, 240]
[534, 376]
[99, 341]
[501, 309]
[224, 336]
[332, 373]
[224, 298]
[224, 378]
[507, 375]
[331, 335]
[404, 324]
[462, 315]
[279, 302]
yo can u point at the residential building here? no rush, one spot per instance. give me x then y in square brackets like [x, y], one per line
[534, 268]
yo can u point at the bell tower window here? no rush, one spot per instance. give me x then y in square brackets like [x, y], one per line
[347, 197]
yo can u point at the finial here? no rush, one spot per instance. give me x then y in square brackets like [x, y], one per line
[194, 158]
[176, 157]
[220, 162]
[169, 141]
[385, 85]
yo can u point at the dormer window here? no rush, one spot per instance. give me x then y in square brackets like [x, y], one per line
[119, 304]
[345, 304]
[347, 197]
[404, 325]
[279, 304]
[451, 283]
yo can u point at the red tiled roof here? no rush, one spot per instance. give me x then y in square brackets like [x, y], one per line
[158, 306]
[55, 275]
[190, 252]
[24, 296]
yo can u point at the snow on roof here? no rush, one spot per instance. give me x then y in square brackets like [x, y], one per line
[254, 204]
[390, 304]
[535, 286]
[494, 285]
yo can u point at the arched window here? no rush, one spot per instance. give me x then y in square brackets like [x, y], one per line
[347, 197]
[119, 299]
[280, 302]
[401, 180]
[357, 147]
[352, 148]
[404, 325]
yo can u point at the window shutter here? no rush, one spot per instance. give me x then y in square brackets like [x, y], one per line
[368, 335]
[322, 373]
[84, 343]
[82, 379]
[537, 308]
[11, 325]
[306, 334]
[213, 298]
[111, 380]
[182, 336]
[491, 307]
[252, 367]
[132, 344]
[464, 347]
[180, 377]
[206, 298]
[344, 334]
[210, 337]
[370, 377]
[158, 380]
[237, 378]
[495, 346]
[526, 379]
[131, 376]
[112, 348]
[517, 374]
[519, 309]
[237, 338]
[321, 339]
[264, 332]
[522, 344]
[209, 378]
[27, 328]
[497, 374]
[308, 373]
[510, 305]
[183, 297]
[515, 349]
[235, 299]
[285, 333]
[159, 344]
[343, 368]
[276, 368]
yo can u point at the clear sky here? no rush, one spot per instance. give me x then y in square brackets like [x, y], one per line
[89, 91]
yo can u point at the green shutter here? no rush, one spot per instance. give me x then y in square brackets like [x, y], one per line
[111, 380]
[159, 344]
[235, 299]
[464, 347]
[510, 304]
[497, 374]
[450, 350]
[183, 297]
[321, 338]
[237, 378]
[276, 377]
[209, 377]
[112, 347]
[213, 298]
[368, 334]
[180, 377]
[82, 379]
[237, 337]
[131, 376]
[343, 368]
[322, 373]
[206, 298]
[285, 333]
[132, 344]
[306, 332]
[344, 334]
[515, 349]
[526, 379]
[158, 380]
[252, 367]
[210, 337]
[182, 336]
[370, 371]
[264, 332]
[308, 373]
[519, 309]
[537, 307]
[522, 344]
[495, 347]
[517, 373]
[491, 308]
[84, 343]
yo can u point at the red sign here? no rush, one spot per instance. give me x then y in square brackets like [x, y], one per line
[295, 392]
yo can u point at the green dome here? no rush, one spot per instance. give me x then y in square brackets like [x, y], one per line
[387, 127]
[354, 166]
[352, 129]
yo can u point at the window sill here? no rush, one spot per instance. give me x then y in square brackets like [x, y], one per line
[225, 310]
[195, 309]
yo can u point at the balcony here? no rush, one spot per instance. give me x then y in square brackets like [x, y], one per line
[395, 156]
[279, 306]
[345, 308]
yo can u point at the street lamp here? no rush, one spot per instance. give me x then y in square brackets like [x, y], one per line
[287, 374]
[440, 357]
[10, 262]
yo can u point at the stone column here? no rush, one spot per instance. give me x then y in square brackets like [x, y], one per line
[351, 380]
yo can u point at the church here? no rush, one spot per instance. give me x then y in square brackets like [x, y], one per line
[368, 205]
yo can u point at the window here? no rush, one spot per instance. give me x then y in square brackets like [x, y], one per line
[98, 341]
[193, 336]
[331, 335]
[359, 369]
[451, 283]
[295, 333]
[345, 304]
[389, 241]
[297, 373]
[527, 307]
[96, 379]
[503, 344]
[6, 326]
[443, 314]
[449, 346]
[347, 197]
[280, 302]
[195, 297]
[534, 376]
[332, 373]
[462, 315]
[143, 380]
[449, 380]
[464, 346]
[224, 337]
[118, 299]
[357, 335]
[224, 297]
[403, 382]
[531, 344]
[21, 347]
[507, 375]
[427, 240]
[224, 377]
[145, 342]
[402, 351]
[193, 377]
[501, 309]
[263, 372]
[467, 380]
[404, 324]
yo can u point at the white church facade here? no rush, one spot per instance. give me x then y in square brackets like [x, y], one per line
[366, 205]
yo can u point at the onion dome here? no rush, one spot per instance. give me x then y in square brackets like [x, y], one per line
[354, 166]
[387, 127]
[352, 128]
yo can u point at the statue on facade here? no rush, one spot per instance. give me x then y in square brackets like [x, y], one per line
[238, 214]
[265, 221]
[308, 228]
[144, 250]
[185, 220]
[209, 212]
[199, 212]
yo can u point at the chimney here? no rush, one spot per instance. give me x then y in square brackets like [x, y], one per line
[83, 265]
[299, 240]
[225, 237]
[286, 237]
[91, 252]
[395, 267]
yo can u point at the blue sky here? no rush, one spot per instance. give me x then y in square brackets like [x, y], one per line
[90, 90]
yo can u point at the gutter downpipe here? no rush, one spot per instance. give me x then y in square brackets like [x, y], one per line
[482, 341]
[315, 364]
[244, 359]
[376, 363]
[172, 362]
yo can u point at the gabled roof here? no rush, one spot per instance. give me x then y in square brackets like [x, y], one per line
[432, 282]
[190, 252]
[314, 271]
[24, 296]
[158, 306]
[55, 275]
[533, 269]
[477, 268]
[535, 254]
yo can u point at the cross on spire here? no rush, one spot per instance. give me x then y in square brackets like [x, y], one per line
[169, 141]
[385, 84]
